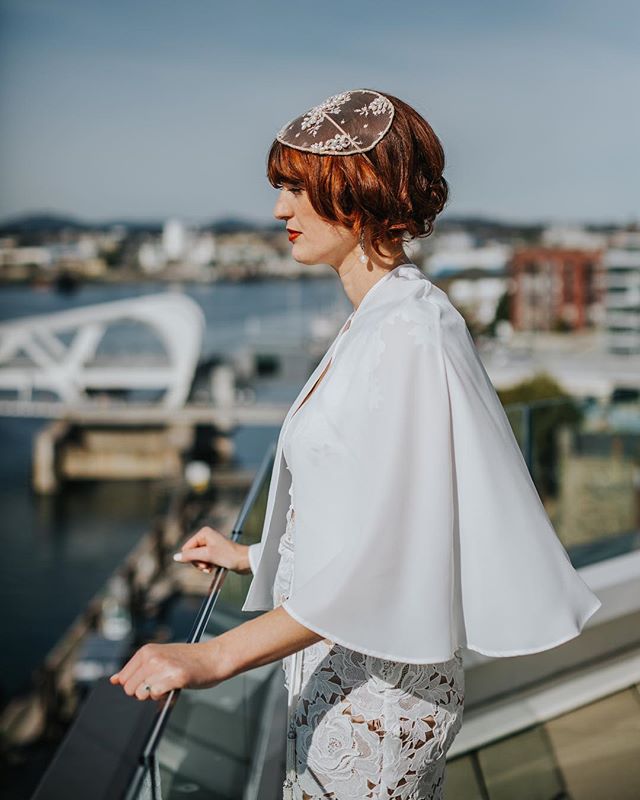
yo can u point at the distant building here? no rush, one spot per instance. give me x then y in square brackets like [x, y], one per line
[476, 293]
[174, 239]
[178, 245]
[203, 250]
[572, 237]
[150, 257]
[455, 252]
[622, 298]
[243, 248]
[555, 288]
[12, 256]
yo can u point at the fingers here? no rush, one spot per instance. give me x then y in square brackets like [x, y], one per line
[194, 554]
[201, 537]
[197, 540]
[147, 686]
[132, 666]
[203, 566]
[142, 660]
[147, 675]
[198, 549]
[134, 686]
[153, 687]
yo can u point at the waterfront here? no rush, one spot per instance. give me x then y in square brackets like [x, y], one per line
[58, 551]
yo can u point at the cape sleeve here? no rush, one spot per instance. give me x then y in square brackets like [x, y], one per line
[254, 556]
[418, 526]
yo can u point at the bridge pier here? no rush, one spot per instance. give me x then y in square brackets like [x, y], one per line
[45, 456]
[67, 450]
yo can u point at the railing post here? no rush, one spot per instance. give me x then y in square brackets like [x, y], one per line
[527, 435]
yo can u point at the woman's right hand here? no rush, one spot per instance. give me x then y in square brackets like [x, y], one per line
[208, 548]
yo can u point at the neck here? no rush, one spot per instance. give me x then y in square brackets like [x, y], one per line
[358, 277]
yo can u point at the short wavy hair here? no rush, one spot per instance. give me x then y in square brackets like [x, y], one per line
[393, 192]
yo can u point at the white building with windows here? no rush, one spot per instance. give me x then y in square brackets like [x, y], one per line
[622, 298]
[174, 239]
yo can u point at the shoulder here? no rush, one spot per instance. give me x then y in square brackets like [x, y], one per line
[417, 312]
[409, 317]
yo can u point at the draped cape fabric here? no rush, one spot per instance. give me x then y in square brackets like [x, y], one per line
[418, 528]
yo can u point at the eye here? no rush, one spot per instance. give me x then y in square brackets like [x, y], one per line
[294, 189]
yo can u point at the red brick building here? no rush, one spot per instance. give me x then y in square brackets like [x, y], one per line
[553, 288]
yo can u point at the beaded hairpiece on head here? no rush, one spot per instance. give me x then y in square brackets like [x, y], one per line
[343, 124]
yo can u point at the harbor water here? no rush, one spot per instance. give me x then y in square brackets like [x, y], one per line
[57, 551]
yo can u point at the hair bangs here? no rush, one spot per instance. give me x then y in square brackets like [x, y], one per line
[287, 165]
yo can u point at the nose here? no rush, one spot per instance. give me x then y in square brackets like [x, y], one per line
[281, 209]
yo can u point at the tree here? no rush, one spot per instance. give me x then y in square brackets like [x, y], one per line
[502, 312]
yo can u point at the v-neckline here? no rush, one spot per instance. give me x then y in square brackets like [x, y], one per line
[345, 328]
[321, 377]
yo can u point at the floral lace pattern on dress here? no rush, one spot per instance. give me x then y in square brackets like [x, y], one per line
[367, 727]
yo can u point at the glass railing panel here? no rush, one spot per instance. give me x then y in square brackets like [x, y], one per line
[584, 458]
[555, 759]
[228, 611]
[210, 740]
[516, 762]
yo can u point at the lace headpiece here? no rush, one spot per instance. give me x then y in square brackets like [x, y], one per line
[343, 124]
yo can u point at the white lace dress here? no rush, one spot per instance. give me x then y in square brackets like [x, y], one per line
[364, 727]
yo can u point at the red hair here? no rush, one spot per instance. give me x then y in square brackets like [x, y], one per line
[396, 188]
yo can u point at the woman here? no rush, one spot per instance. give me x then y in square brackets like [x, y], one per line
[401, 524]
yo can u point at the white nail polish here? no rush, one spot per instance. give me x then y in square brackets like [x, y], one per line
[177, 556]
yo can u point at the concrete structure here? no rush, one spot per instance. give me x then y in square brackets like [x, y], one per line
[63, 451]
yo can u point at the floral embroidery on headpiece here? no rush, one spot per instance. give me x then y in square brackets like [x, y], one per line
[343, 124]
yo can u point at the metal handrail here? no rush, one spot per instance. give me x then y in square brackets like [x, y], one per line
[198, 628]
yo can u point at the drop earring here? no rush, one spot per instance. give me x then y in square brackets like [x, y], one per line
[363, 255]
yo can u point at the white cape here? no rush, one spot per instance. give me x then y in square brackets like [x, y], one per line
[418, 528]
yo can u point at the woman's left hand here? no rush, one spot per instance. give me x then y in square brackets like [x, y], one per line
[155, 669]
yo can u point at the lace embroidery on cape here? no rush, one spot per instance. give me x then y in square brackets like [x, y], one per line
[410, 321]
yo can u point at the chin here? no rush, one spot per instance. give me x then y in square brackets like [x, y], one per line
[301, 258]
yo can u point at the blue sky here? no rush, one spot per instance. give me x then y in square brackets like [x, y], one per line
[151, 108]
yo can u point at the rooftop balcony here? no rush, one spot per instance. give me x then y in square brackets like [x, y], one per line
[564, 723]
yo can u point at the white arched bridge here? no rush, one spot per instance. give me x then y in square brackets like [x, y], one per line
[60, 358]
[77, 364]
